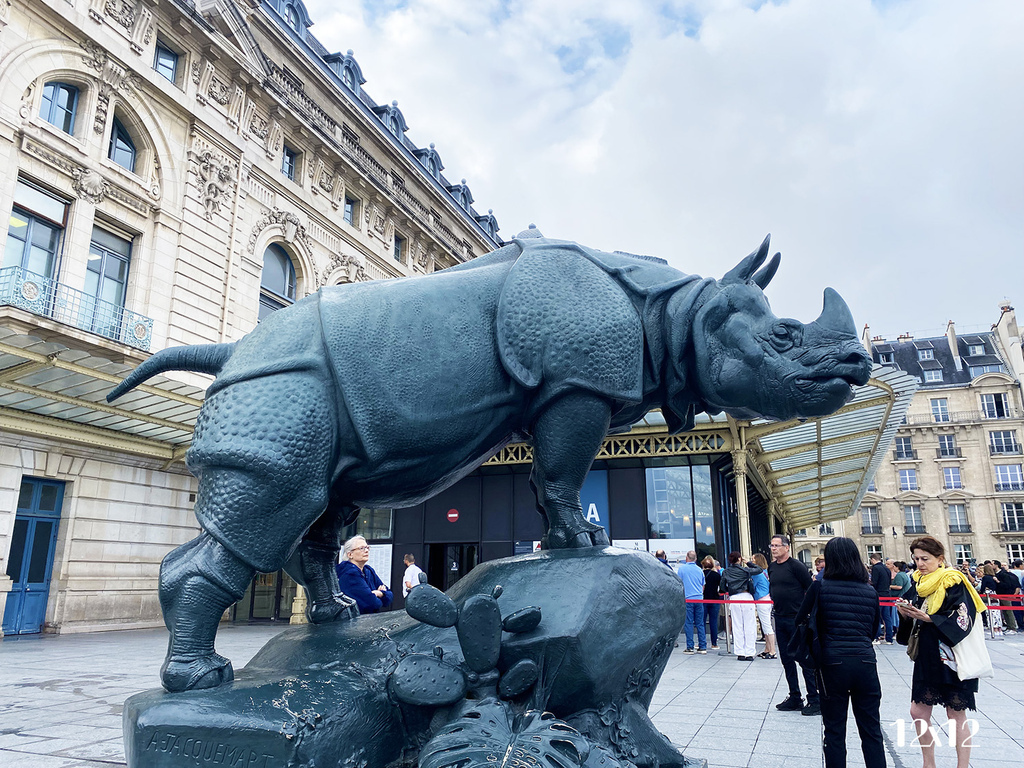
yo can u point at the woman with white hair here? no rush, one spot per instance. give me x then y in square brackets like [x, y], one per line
[359, 581]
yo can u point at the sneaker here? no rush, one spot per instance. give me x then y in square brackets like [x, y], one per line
[877, 641]
[812, 708]
[688, 650]
[888, 642]
[714, 647]
[702, 650]
[791, 704]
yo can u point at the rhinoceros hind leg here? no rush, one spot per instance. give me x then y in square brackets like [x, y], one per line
[566, 437]
[198, 582]
[312, 566]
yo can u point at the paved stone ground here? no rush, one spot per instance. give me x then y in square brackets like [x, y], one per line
[62, 698]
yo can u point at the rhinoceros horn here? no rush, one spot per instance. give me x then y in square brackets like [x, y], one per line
[762, 278]
[743, 271]
[835, 315]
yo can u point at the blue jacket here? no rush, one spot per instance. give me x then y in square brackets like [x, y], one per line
[760, 586]
[360, 585]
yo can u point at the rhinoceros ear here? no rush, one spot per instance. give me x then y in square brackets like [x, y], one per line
[762, 278]
[743, 271]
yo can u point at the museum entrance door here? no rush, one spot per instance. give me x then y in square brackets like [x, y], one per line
[447, 563]
[268, 598]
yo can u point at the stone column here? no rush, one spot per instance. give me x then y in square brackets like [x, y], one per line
[299, 606]
[739, 468]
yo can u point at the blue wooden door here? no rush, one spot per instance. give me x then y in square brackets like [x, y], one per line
[31, 561]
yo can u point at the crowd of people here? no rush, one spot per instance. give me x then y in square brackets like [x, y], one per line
[822, 626]
[830, 622]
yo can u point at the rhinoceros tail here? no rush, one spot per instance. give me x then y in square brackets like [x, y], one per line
[199, 358]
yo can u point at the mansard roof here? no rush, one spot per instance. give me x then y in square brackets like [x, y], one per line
[906, 355]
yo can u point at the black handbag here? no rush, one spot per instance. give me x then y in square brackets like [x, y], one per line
[805, 645]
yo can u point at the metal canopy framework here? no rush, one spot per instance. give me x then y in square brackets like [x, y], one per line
[818, 470]
[50, 390]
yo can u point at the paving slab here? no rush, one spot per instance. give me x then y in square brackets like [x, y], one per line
[63, 697]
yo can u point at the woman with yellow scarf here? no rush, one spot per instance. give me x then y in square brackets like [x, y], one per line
[937, 613]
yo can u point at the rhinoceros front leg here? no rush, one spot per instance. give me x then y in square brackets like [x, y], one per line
[566, 437]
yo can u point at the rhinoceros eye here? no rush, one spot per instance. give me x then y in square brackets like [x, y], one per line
[784, 336]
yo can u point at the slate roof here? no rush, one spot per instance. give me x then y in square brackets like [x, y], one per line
[905, 357]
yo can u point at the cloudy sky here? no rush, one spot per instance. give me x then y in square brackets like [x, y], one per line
[880, 143]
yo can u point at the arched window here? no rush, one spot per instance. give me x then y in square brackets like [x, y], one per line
[292, 16]
[349, 77]
[60, 102]
[277, 283]
[395, 125]
[432, 167]
[122, 149]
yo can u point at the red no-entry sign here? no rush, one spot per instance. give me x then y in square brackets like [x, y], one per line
[453, 515]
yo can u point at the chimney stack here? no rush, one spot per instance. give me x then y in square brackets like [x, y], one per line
[954, 349]
[906, 336]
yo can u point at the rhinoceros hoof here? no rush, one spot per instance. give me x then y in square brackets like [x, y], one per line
[181, 674]
[341, 607]
[566, 539]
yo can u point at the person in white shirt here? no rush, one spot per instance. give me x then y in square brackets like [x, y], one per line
[412, 574]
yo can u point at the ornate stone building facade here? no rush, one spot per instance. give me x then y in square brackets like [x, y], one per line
[955, 470]
[171, 172]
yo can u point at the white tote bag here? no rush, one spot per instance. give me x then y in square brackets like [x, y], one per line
[972, 659]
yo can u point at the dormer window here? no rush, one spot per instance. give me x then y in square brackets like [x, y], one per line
[291, 16]
[886, 358]
[975, 349]
[926, 354]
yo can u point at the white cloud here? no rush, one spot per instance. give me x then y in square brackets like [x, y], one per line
[879, 143]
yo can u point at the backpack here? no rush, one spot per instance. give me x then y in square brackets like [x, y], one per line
[805, 645]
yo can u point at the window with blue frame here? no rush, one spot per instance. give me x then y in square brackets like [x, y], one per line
[106, 280]
[34, 231]
[289, 162]
[122, 149]
[277, 282]
[351, 210]
[165, 61]
[399, 251]
[59, 105]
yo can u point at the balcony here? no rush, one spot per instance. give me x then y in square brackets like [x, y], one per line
[1012, 526]
[954, 417]
[912, 530]
[43, 296]
[870, 530]
[960, 529]
[1004, 450]
[905, 455]
[1016, 485]
[949, 453]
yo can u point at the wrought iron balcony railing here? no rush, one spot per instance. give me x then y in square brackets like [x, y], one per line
[913, 529]
[1013, 486]
[867, 530]
[1004, 450]
[953, 417]
[44, 296]
[905, 455]
[949, 453]
[959, 529]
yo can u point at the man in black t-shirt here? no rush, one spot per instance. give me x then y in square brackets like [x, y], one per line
[788, 580]
[881, 580]
[1007, 584]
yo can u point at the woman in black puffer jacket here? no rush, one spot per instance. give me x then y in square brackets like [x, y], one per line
[848, 616]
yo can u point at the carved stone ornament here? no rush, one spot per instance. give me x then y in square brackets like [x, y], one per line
[216, 175]
[89, 185]
[121, 11]
[294, 231]
[5, 12]
[25, 111]
[219, 91]
[356, 271]
[99, 121]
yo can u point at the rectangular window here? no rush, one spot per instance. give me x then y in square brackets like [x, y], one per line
[885, 358]
[165, 61]
[908, 479]
[947, 446]
[926, 354]
[912, 516]
[34, 232]
[940, 409]
[904, 448]
[1009, 478]
[1013, 516]
[951, 478]
[977, 370]
[826, 529]
[869, 520]
[351, 210]
[1003, 441]
[958, 518]
[974, 350]
[933, 376]
[371, 524]
[106, 280]
[874, 549]
[1014, 552]
[963, 553]
[289, 162]
[399, 248]
[994, 406]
